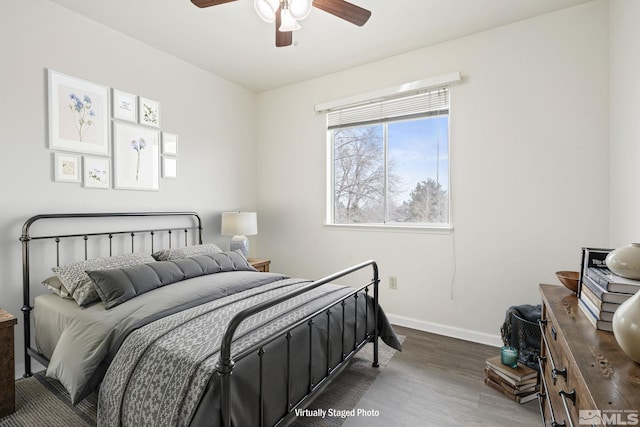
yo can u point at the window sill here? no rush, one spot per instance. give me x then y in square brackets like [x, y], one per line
[393, 228]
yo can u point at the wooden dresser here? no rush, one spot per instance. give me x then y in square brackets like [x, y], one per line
[584, 371]
[7, 367]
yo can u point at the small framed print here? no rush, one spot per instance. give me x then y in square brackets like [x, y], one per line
[125, 106]
[169, 144]
[66, 167]
[97, 172]
[149, 112]
[169, 167]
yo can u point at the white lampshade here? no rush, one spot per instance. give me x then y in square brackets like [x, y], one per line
[300, 9]
[266, 9]
[239, 223]
[287, 22]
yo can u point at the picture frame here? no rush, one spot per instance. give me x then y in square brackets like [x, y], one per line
[148, 112]
[66, 167]
[125, 106]
[96, 172]
[169, 167]
[78, 115]
[169, 144]
[136, 156]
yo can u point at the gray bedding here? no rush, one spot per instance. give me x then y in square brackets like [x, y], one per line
[163, 372]
[78, 341]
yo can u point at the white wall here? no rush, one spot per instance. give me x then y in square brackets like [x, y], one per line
[214, 119]
[625, 123]
[529, 162]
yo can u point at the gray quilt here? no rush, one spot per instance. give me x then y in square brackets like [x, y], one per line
[164, 372]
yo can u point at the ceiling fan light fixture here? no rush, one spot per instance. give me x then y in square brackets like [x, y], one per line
[288, 23]
[266, 9]
[300, 9]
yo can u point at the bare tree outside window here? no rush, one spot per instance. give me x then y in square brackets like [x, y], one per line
[392, 172]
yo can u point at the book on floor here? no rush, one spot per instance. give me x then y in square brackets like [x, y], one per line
[519, 373]
[520, 398]
[524, 388]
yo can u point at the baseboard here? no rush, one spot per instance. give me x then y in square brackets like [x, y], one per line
[449, 331]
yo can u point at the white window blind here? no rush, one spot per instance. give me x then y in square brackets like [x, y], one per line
[431, 103]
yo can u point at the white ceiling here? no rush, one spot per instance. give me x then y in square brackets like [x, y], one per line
[231, 41]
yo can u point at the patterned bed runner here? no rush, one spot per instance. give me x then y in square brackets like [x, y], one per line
[162, 369]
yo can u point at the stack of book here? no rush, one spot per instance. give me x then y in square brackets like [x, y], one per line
[601, 291]
[519, 384]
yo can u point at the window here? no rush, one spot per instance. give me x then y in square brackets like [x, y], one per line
[390, 161]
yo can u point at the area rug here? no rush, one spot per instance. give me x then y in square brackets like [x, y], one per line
[43, 402]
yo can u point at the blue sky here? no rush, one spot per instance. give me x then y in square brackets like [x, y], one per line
[413, 146]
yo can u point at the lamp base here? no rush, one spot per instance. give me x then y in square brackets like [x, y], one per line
[240, 243]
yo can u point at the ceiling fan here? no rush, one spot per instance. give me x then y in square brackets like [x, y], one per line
[287, 13]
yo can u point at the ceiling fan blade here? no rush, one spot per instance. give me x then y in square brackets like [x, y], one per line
[345, 10]
[207, 3]
[283, 38]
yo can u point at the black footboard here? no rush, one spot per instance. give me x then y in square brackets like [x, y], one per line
[226, 362]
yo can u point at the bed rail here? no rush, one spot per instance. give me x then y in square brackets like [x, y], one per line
[27, 237]
[226, 362]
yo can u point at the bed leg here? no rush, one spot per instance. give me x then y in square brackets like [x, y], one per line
[224, 370]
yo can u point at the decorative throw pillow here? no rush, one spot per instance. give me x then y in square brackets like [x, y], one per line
[78, 284]
[118, 285]
[170, 254]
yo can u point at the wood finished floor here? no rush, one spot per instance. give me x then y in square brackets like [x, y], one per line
[438, 381]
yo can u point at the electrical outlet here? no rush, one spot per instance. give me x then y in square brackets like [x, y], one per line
[393, 282]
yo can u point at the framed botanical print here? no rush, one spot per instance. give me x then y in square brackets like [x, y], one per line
[66, 167]
[125, 106]
[78, 115]
[149, 112]
[136, 156]
[96, 172]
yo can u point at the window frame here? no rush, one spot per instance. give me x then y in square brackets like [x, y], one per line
[443, 228]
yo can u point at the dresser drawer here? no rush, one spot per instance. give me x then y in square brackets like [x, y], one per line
[555, 378]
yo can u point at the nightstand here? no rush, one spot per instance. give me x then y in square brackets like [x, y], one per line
[7, 364]
[261, 265]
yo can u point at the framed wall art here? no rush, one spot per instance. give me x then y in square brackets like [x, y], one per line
[149, 112]
[169, 167]
[125, 106]
[169, 144]
[136, 156]
[78, 115]
[66, 167]
[96, 172]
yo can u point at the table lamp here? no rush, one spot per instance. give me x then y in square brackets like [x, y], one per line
[239, 225]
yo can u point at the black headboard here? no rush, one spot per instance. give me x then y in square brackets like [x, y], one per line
[81, 230]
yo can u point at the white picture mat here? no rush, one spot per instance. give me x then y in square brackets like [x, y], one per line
[136, 168]
[96, 172]
[125, 106]
[78, 114]
[66, 167]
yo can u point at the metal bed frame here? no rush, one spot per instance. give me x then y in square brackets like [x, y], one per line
[226, 362]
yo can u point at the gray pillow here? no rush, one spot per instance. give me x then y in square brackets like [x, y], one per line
[122, 284]
[171, 254]
[79, 285]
